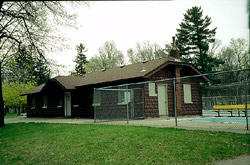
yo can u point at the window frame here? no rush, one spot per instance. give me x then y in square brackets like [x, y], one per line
[187, 93]
[45, 101]
[33, 103]
[151, 89]
[123, 95]
[97, 95]
[59, 103]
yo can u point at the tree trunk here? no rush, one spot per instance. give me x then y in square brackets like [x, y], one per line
[1, 5]
[18, 110]
[1, 100]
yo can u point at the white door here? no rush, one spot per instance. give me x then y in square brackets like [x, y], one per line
[67, 104]
[162, 99]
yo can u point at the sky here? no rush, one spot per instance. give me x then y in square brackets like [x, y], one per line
[128, 22]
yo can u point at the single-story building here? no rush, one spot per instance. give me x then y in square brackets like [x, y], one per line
[72, 96]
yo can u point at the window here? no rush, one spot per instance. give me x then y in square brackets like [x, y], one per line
[59, 105]
[187, 93]
[97, 98]
[151, 87]
[33, 103]
[45, 102]
[123, 95]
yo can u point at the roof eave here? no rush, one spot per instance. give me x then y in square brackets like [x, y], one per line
[175, 63]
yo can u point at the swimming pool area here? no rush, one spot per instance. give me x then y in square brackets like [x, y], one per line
[240, 120]
[205, 112]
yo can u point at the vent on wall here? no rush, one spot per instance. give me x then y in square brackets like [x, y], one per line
[143, 69]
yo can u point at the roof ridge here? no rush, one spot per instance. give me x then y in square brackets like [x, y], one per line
[117, 67]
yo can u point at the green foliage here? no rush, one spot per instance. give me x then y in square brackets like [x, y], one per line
[93, 65]
[29, 23]
[12, 92]
[41, 70]
[193, 39]
[24, 67]
[80, 60]
[11, 115]
[82, 144]
[146, 51]
[108, 57]
[236, 55]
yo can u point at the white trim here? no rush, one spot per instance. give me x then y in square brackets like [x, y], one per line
[151, 89]
[187, 93]
[96, 104]
[123, 103]
[166, 100]
[125, 95]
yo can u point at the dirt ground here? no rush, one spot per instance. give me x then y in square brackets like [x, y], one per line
[154, 122]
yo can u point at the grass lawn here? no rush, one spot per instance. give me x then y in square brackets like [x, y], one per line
[11, 115]
[41, 143]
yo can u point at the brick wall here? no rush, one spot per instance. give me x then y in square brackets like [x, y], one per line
[151, 102]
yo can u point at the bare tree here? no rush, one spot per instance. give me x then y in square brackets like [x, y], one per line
[27, 23]
[108, 57]
[235, 55]
[146, 51]
[214, 47]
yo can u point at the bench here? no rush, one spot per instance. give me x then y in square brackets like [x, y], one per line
[231, 109]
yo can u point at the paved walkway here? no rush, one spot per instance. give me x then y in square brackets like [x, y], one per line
[154, 122]
[240, 160]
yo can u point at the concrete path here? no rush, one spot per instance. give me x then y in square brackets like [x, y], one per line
[153, 122]
[240, 160]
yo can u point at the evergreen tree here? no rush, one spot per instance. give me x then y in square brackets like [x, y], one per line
[193, 39]
[80, 60]
[42, 71]
[24, 67]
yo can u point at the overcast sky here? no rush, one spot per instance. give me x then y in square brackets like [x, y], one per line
[156, 21]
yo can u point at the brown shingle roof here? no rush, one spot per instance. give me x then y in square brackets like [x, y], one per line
[34, 90]
[67, 82]
[123, 73]
[119, 73]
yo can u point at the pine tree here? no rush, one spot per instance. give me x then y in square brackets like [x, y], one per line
[80, 60]
[24, 67]
[193, 39]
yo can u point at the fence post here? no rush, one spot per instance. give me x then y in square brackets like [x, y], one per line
[94, 101]
[175, 111]
[245, 93]
[127, 105]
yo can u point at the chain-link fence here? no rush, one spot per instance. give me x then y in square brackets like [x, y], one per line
[119, 103]
[216, 100]
[225, 100]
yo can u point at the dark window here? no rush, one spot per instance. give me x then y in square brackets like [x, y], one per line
[33, 102]
[45, 101]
